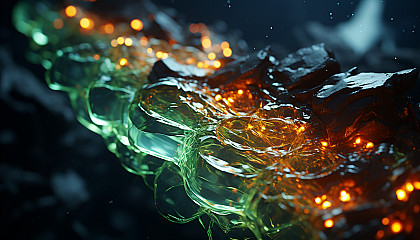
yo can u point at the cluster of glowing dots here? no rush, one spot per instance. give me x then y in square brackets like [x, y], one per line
[403, 192]
[359, 141]
[344, 197]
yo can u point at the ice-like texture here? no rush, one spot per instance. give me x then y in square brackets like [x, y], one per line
[267, 148]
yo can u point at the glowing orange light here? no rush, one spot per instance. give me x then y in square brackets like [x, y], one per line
[217, 64]
[416, 208]
[70, 11]
[385, 221]
[218, 97]
[396, 227]
[326, 204]
[240, 91]
[409, 186]
[149, 50]
[109, 28]
[165, 55]
[306, 211]
[211, 56]
[136, 24]
[128, 42]
[358, 141]
[344, 196]
[193, 28]
[159, 54]
[120, 40]
[369, 145]
[380, 234]
[58, 23]
[200, 64]
[400, 194]
[329, 223]
[123, 61]
[86, 23]
[318, 200]
[262, 128]
[230, 100]
[96, 56]
[416, 185]
[324, 144]
[206, 42]
[143, 41]
[224, 45]
[227, 52]
[301, 129]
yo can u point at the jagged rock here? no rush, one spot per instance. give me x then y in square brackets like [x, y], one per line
[363, 105]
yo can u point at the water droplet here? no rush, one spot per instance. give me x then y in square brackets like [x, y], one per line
[392, 19]
[271, 28]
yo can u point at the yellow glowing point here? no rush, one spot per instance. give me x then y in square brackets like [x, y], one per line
[400, 194]
[218, 97]
[114, 42]
[369, 145]
[86, 23]
[128, 42]
[262, 128]
[211, 56]
[165, 55]
[109, 28]
[70, 11]
[96, 56]
[58, 23]
[329, 223]
[149, 50]
[143, 41]
[231, 100]
[123, 61]
[136, 24]
[240, 91]
[301, 129]
[358, 141]
[409, 187]
[200, 64]
[385, 221]
[120, 40]
[344, 196]
[396, 227]
[159, 54]
[206, 42]
[217, 64]
[324, 144]
[416, 185]
[318, 200]
[227, 52]
[224, 45]
[326, 204]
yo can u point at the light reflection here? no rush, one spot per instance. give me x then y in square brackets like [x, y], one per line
[70, 11]
[136, 24]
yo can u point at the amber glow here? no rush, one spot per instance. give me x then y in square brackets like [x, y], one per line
[416, 185]
[70, 11]
[301, 129]
[136, 24]
[324, 144]
[385, 221]
[149, 50]
[128, 42]
[380, 234]
[193, 28]
[326, 204]
[123, 61]
[227, 52]
[218, 97]
[143, 41]
[409, 187]
[230, 100]
[344, 196]
[396, 227]
[58, 23]
[369, 145]
[400, 194]
[358, 141]
[329, 223]
[200, 64]
[318, 200]
[224, 45]
[109, 28]
[159, 54]
[114, 42]
[87, 23]
[206, 42]
[96, 56]
[217, 64]
[211, 56]
[240, 91]
[416, 208]
[120, 40]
